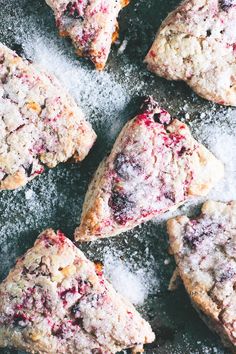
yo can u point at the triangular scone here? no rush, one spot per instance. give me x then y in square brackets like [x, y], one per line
[154, 166]
[196, 43]
[205, 252]
[56, 301]
[40, 123]
[91, 24]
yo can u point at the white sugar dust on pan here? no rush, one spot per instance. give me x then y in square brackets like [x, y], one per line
[134, 281]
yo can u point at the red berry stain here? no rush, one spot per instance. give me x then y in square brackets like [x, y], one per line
[144, 118]
[152, 54]
[61, 237]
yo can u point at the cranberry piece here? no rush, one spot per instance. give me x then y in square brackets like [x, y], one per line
[67, 291]
[226, 4]
[126, 167]
[227, 274]
[57, 331]
[122, 206]
[97, 351]
[182, 151]
[73, 11]
[61, 237]
[170, 195]
[20, 319]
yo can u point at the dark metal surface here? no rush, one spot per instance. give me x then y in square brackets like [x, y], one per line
[60, 192]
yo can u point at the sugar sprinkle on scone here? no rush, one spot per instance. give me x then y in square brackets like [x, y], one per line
[197, 44]
[56, 301]
[154, 166]
[205, 252]
[40, 123]
[91, 24]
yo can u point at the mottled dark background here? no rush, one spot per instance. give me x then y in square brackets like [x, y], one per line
[58, 194]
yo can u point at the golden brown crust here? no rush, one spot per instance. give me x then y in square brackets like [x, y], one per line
[45, 130]
[92, 26]
[135, 169]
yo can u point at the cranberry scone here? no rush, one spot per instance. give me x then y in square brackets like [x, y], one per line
[40, 123]
[91, 24]
[197, 44]
[154, 166]
[204, 250]
[56, 301]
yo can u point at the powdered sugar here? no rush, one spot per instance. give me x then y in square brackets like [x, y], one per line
[55, 198]
[218, 133]
[128, 278]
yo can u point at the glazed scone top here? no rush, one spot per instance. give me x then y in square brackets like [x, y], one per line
[91, 24]
[40, 123]
[56, 301]
[196, 43]
[154, 166]
[205, 252]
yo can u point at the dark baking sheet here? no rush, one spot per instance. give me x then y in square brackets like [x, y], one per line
[55, 198]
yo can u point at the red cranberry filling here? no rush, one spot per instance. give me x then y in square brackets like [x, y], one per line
[74, 10]
[122, 206]
[64, 293]
[20, 319]
[126, 167]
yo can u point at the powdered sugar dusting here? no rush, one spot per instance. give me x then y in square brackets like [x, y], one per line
[139, 260]
[128, 278]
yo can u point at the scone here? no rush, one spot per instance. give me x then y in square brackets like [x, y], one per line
[154, 166]
[56, 301]
[204, 249]
[91, 25]
[40, 123]
[197, 44]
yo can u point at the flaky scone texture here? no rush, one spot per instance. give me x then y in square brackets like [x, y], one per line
[204, 250]
[196, 43]
[91, 24]
[40, 123]
[154, 166]
[56, 301]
